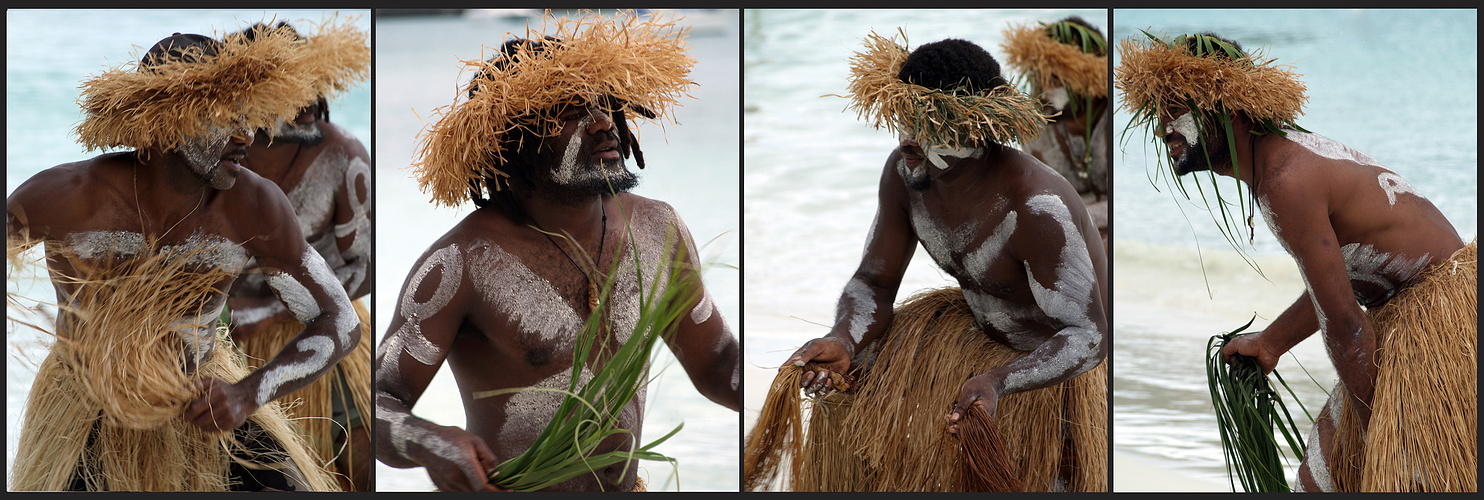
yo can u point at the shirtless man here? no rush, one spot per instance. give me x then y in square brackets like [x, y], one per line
[503, 303]
[193, 194]
[326, 173]
[1076, 141]
[1358, 232]
[1011, 231]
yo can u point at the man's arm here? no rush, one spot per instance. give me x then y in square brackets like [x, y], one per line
[1064, 284]
[702, 342]
[430, 309]
[1300, 219]
[299, 277]
[352, 221]
[864, 310]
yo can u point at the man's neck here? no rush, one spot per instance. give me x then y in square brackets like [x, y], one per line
[1247, 145]
[165, 184]
[581, 219]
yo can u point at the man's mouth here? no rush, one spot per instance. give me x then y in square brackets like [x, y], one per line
[235, 156]
[608, 150]
[912, 155]
[1177, 146]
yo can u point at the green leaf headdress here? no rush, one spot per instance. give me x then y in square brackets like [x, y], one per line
[1216, 78]
[1062, 51]
[937, 118]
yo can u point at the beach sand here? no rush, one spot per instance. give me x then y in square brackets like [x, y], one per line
[1136, 472]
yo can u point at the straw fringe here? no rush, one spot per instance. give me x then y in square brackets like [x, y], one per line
[984, 454]
[1030, 49]
[640, 60]
[338, 56]
[1424, 421]
[778, 434]
[898, 441]
[312, 407]
[1155, 72]
[934, 117]
[246, 84]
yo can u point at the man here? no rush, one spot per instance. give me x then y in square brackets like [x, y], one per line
[325, 171]
[1066, 63]
[1377, 259]
[1011, 231]
[502, 300]
[180, 192]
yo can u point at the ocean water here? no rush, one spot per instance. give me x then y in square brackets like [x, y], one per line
[692, 165]
[46, 58]
[1399, 85]
[812, 168]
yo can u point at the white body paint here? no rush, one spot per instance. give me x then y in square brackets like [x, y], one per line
[861, 309]
[530, 302]
[1069, 302]
[1056, 97]
[409, 338]
[323, 348]
[294, 295]
[527, 412]
[1365, 264]
[702, 311]
[1328, 148]
[404, 432]
[205, 249]
[1394, 184]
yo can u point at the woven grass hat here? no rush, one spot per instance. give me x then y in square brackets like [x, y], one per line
[1046, 51]
[191, 89]
[936, 118]
[626, 62]
[337, 56]
[1214, 76]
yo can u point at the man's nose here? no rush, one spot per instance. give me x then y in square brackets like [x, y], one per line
[601, 120]
[241, 135]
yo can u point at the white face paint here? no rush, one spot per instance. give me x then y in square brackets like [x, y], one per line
[1185, 126]
[321, 347]
[1056, 97]
[568, 170]
[1328, 148]
[202, 153]
[1394, 184]
[936, 155]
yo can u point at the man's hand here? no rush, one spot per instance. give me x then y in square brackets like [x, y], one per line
[829, 354]
[983, 391]
[463, 466]
[220, 406]
[1253, 345]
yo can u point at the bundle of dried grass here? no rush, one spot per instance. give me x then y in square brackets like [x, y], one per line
[1154, 71]
[312, 406]
[245, 84]
[933, 346]
[777, 437]
[639, 62]
[936, 118]
[104, 409]
[1424, 411]
[1030, 49]
[986, 460]
[829, 464]
[338, 56]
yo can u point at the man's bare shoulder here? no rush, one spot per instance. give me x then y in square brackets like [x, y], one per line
[338, 138]
[76, 186]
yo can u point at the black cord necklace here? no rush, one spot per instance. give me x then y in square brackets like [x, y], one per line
[1252, 192]
[592, 284]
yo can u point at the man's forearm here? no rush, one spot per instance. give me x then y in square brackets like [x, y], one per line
[398, 431]
[862, 314]
[1295, 324]
[1071, 352]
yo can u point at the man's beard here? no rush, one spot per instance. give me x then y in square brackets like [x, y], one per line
[306, 135]
[578, 182]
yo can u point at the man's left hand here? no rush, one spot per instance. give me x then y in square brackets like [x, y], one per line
[982, 391]
[219, 406]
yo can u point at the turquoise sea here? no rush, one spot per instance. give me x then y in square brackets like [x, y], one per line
[47, 56]
[1398, 85]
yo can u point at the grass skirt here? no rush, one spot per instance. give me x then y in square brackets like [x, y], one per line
[898, 441]
[1424, 415]
[311, 407]
[173, 456]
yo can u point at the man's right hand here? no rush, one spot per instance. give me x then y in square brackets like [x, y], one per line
[463, 466]
[1252, 345]
[828, 354]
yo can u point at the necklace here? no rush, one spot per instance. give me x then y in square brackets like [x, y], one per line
[592, 284]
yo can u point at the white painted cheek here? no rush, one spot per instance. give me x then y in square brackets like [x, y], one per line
[566, 172]
[1056, 97]
[937, 155]
[1394, 184]
[276, 377]
[294, 296]
[1185, 126]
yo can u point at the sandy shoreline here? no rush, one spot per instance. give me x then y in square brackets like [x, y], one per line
[1138, 472]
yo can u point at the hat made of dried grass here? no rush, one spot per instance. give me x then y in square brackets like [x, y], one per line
[622, 62]
[1154, 71]
[337, 53]
[191, 93]
[1031, 49]
[936, 118]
